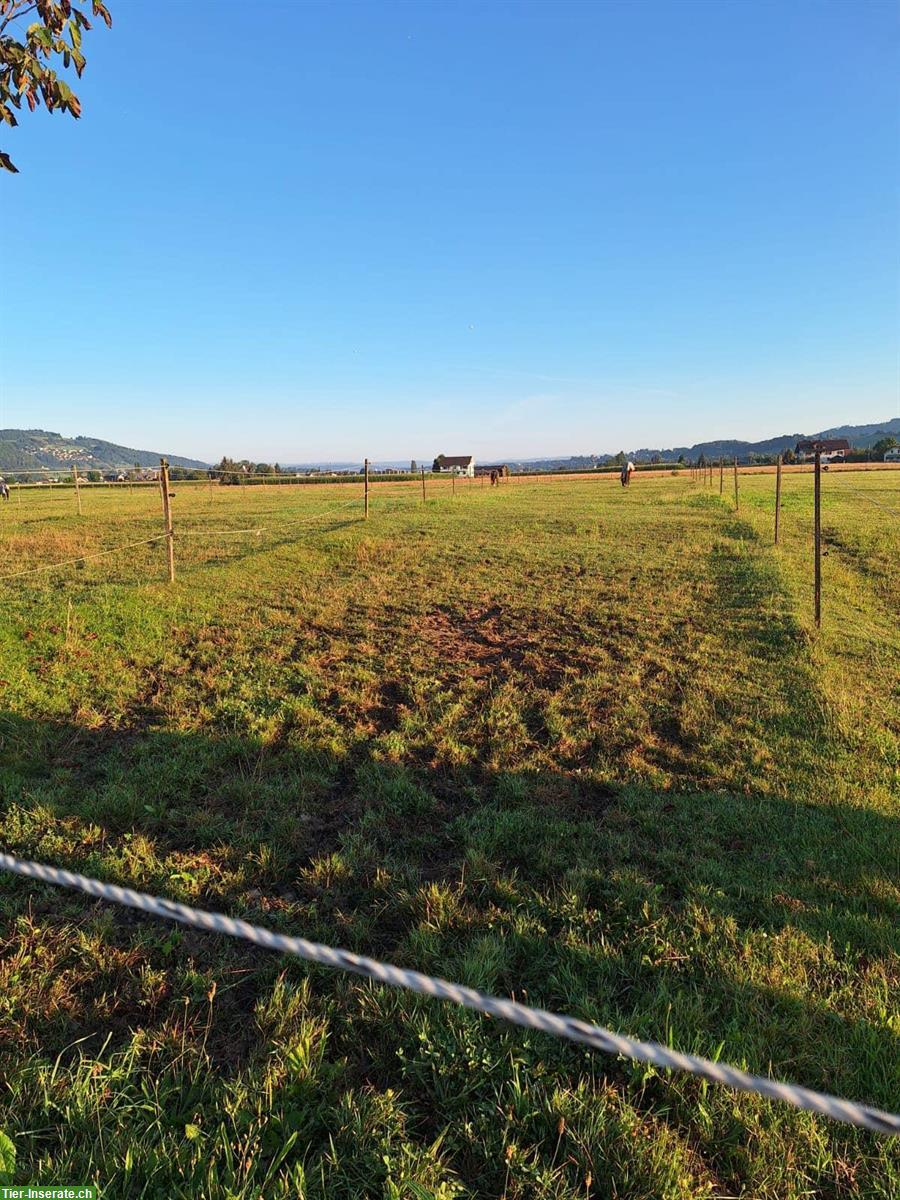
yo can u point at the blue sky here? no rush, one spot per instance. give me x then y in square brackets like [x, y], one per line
[307, 230]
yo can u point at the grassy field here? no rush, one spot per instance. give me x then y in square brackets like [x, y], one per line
[557, 740]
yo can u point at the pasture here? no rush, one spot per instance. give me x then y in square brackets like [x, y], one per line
[556, 740]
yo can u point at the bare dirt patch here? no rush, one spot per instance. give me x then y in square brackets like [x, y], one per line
[489, 642]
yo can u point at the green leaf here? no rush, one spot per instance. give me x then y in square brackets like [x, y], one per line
[7, 1147]
[37, 33]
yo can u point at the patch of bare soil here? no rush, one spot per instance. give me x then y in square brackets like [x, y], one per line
[488, 642]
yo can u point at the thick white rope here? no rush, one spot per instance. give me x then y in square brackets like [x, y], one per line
[428, 985]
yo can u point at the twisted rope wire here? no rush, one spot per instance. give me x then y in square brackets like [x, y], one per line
[428, 985]
[68, 562]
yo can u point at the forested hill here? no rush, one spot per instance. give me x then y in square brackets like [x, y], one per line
[859, 436]
[32, 449]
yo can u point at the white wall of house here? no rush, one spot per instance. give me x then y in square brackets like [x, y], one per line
[467, 472]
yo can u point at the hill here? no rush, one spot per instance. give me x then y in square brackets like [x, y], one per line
[36, 449]
[859, 436]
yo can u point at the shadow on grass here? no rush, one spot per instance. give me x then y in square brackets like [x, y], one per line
[737, 920]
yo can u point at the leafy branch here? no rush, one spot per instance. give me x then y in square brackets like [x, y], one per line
[27, 66]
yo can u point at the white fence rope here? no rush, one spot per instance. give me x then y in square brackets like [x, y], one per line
[159, 537]
[68, 562]
[507, 1010]
[868, 499]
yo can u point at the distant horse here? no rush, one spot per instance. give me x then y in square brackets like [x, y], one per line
[495, 478]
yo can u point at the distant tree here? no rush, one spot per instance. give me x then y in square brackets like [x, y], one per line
[681, 460]
[94, 477]
[884, 444]
[413, 466]
[620, 458]
[261, 469]
[438, 463]
[28, 57]
[788, 457]
[655, 459]
[701, 461]
[228, 471]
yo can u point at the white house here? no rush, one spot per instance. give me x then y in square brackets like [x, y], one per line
[830, 449]
[892, 455]
[458, 464]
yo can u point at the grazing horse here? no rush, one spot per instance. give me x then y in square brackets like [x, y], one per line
[495, 478]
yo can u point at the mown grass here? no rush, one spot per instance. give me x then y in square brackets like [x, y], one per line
[555, 740]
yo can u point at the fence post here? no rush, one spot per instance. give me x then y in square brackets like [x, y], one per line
[77, 492]
[777, 497]
[366, 487]
[737, 499]
[817, 524]
[721, 475]
[423, 485]
[167, 517]
[452, 483]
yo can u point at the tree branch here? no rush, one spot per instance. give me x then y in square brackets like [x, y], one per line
[14, 16]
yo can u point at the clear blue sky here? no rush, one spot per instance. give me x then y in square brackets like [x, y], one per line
[321, 230]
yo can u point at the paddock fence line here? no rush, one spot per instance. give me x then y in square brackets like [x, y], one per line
[176, 536]
[569, 1028]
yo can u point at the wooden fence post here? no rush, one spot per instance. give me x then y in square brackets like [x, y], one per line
[77, 491]
[423, 485]
[453, 483]
[737, 499]
[366, 487]
[167, 517]
[777, 497]
[817, 525]
[721, 475]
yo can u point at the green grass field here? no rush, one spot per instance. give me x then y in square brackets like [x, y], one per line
[556, 740]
